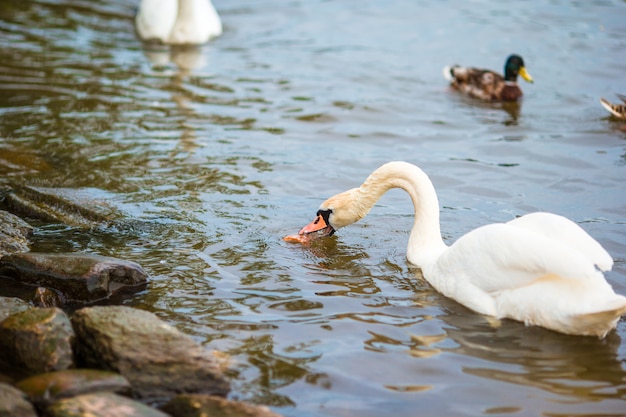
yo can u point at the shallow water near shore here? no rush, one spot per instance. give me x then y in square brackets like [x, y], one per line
[218, 152]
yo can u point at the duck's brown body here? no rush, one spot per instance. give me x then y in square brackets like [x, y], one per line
[484, 84]
[488, 85]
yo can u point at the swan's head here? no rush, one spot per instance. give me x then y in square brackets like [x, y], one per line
[338, 211]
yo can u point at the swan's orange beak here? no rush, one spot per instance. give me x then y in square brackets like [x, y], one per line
[315, 226]
[314, 230]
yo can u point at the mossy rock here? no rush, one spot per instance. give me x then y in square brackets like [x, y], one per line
[44, 389]
[37, 340]
[102, 404]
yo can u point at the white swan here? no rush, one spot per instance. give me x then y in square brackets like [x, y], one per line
[178, 22]
[541, 268]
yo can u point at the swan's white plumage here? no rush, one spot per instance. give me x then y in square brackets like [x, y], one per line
[561, 229]
[155, 19]
[541, 268]
[178, 22]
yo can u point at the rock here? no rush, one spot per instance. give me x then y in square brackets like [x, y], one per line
[13, 234]
[157, 359]
[46, 297]
[82, 208]
[199, 405]
[58, 205]
[80, 277]
[37, 340]
[11, 305]
[101, 405]
[44, 389]
[13, 403]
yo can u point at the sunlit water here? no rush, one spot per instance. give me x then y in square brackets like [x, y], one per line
[219, 152]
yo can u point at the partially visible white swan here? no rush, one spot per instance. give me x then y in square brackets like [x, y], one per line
[178, 22]
[541, 268]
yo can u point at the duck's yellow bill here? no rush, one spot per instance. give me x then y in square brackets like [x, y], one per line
[525, 75]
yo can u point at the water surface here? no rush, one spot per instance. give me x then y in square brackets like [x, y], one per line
[219, 152]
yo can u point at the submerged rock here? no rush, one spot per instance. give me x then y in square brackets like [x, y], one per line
[45, 389]
[199, 405]
[157, 359]
[79, 277]
[37, 340]
[57, 205]
[14, 234]
[102, 404]
[13, 403]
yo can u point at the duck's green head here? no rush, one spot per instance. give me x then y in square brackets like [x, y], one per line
[513, 67]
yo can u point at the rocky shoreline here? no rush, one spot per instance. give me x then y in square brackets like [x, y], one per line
[64, 354]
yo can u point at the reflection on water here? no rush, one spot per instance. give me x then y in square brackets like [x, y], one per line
[492, 112]
[582, 368]
[214, 153]
[185, 58]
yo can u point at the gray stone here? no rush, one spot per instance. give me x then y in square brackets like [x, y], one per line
[80, 277]
[157, 359]
[199, 405]
[14, 234]
[11, 305]
[101, 405]
[13, 403]
[44, 389]
[37, 340]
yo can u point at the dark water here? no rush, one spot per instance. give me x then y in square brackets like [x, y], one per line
[219, 152]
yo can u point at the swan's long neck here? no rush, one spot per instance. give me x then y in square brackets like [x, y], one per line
[425, 242]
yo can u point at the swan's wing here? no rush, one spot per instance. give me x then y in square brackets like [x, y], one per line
[500, 257]
[563, 230]
[539, 269]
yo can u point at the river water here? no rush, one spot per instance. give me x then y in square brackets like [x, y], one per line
[221, 151]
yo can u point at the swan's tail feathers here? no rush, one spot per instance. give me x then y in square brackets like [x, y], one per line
[599, 323]
[448, 73]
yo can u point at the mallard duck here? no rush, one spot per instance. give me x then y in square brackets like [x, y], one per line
[617, 110]
[541, 268]
[489, 85]
[177, 22]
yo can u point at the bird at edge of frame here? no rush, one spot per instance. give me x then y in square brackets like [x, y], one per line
[617, 110]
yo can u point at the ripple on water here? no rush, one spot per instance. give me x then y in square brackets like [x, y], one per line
[215, 153]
